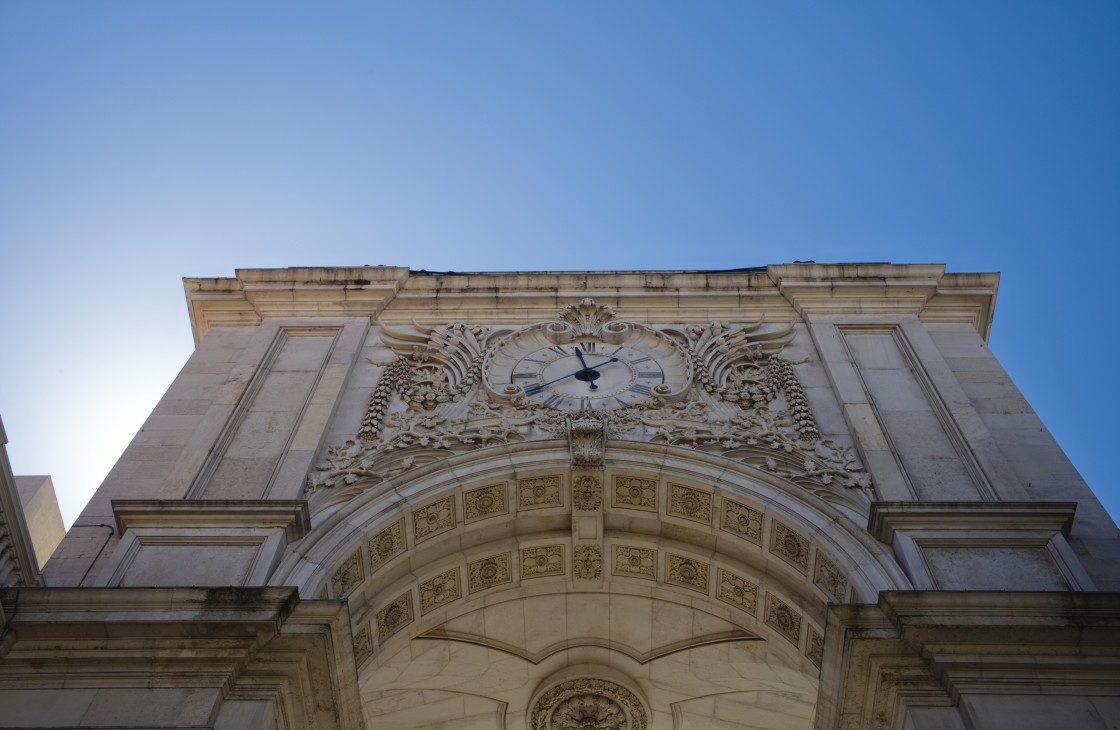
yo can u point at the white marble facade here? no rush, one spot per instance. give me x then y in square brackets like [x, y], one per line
[800, 496]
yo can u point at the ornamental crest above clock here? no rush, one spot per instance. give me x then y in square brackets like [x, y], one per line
[722, 388]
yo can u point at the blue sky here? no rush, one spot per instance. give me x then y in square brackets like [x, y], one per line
[141, 142]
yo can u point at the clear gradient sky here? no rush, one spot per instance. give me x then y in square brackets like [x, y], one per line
[141, 142]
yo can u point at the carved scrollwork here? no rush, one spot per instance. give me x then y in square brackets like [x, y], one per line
[740, 399]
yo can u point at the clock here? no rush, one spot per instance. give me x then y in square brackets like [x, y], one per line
[583, 368]
[587, 375]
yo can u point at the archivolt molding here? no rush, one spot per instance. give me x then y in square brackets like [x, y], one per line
[780, 554]
[741, 400]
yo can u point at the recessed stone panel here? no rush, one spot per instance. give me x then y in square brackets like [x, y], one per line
[434, 518]
[386, 544]
[442, 589]
[634, 493]
[782, 617]
[738, 591]
[394, 617]
[542, 561]
[692, 504]
[489, 572]
[691, 574]
[485, 502]
[829, 578]
[789, 545]
[635, 562]
[539, 492]
[744, 521]
[348, 575]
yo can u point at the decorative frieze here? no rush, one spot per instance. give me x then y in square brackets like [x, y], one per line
[587, 493]
[634, 493]
[635, 562]
[537, 562]
[693, 504]
[742, 520]
[692, 574]
[788, 544]
[348, 575]
[442, 589]
[783, 618]
[814, 645]
[485, 502]
[489, 572]
[538, 492]
[587, 562]
[394, 617]
[829, 578]
[386, 544]
[434, 518]
[737, 591]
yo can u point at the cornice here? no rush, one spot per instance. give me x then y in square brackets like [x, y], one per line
[781, 292]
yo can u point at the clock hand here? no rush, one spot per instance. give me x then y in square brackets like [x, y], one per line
[586, 370]
[538, 388]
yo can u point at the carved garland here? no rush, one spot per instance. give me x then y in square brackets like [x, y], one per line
[746, 404]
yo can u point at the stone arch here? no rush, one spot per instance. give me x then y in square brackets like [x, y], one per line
[470, 563]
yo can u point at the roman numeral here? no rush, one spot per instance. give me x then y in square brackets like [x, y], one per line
[588, 346]
[640, 389]
[524, 376]
[534, 389]
[641, 359]
[559, 350]
[649, 375]
[539, 362]
[553, 401]
[584, 405]
[621, 402]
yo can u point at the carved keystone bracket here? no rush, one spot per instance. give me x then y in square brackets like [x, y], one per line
[587, 438]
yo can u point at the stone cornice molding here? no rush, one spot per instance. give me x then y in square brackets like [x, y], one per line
[17, 556]
[290, 515]
[251, 643]
[886, 517]
[919, 648]
[781, 292]
[256, 294]
[924, 290]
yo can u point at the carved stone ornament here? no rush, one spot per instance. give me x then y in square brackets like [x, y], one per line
[693, 504]
[587, 493]
[588, 704]
[635, 562]
[485, 502]
[726, 390]
[348, 575]
[737, 591]
[635, 493]
[688, 573]
[541, 561]
[742, 520]
[489, 572]
[790, 545]
[394, 617]
[434, 518]
[440, 590]
[363, 643]
[587, 438]
[538, 492]
[814, 646]
[386, 544]
[829, 578]
[783, 618]
[588, 562]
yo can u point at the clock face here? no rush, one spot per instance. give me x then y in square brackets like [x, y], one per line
[589, 375]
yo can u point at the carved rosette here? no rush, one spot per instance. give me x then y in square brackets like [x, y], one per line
[579, 704]
[588, 562]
